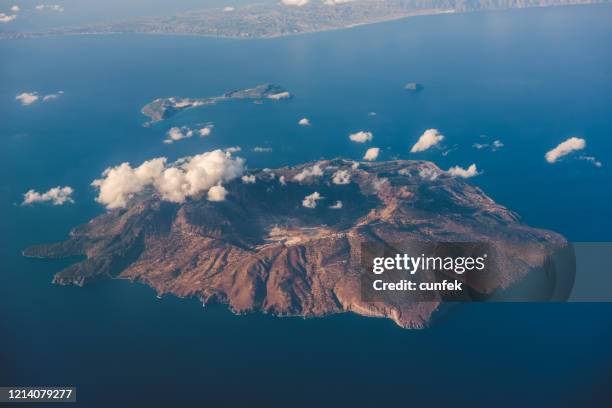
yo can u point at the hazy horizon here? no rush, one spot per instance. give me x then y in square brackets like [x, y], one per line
[75, 12]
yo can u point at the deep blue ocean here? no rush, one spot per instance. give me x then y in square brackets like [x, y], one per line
[530, 78]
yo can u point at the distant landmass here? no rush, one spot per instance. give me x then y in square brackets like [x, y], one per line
[274, 20]
[288, 241]
[164, 108]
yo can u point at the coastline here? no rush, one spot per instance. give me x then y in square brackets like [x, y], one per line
[72, 31]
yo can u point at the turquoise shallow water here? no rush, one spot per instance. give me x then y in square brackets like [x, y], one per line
[531, 78]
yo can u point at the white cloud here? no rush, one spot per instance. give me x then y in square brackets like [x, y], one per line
[173, 182]
[27, 98]
[205, 131]
[428, 173]
[15, 9]
[341, 177]
[495, 146]
[228, 8]
[122, 182]
[217, 193]
[178, 133]
[310, 201]
[371, 154]
[563, 149]
[372, 113]
[279, 96]
[314, 171]
[269, 173]
[57, 196]
[234, 149]
[7, 18]
[250, 179]
[361, 137]
[403, 172]
[591, 160]
[457, 171]
[50, 7]
[429, 138]
[337, 205]
[449, 151]
[335, 2]
[379, 183]
[298, 3]
[260, 149]
[52, 97]
[304, 122]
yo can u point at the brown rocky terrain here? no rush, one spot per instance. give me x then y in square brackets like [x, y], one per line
[264, 249]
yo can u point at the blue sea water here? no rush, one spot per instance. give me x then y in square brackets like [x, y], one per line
[531, 78]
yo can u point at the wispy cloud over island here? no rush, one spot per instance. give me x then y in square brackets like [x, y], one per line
[173, 182]
[56, 196]
[458, 171]
[308, 172]
[310, 201]
[249, 179]
[216, 193]
[337, 205]
[341, 177]
[429, 173]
